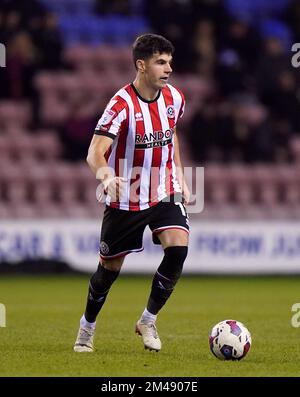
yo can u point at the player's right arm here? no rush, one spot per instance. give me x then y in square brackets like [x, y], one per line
[110, 125]
[98, 164]
[96, 157]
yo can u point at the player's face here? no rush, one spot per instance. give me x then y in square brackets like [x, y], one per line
[158, 70]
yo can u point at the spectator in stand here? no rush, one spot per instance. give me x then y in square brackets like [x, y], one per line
[284, 99]
[272, 62]
[21, 67]
[204, 46]
[292, 17]
[120, 7]
[76, 132]
[49, 42]
[173, 19]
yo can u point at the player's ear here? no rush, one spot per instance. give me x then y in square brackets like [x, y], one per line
[140, 65]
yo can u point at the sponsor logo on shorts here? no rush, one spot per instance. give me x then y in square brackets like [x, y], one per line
[104, 248]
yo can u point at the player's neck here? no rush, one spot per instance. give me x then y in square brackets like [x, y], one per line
[146, 92]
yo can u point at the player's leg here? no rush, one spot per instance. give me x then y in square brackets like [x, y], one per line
[99, 286]
[170, 229]
[121, 233]
[175, 245]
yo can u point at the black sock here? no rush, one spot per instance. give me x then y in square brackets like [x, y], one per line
[166, 277]
[99, 286]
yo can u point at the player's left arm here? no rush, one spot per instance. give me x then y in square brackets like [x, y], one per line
[179, 170]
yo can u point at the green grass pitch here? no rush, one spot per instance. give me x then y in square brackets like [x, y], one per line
[42, 315]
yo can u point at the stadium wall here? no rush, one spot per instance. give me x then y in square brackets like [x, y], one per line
[215, 247]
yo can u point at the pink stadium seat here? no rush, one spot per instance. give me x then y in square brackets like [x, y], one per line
[292, 194]
[269, 194]
[75, 210]
[238, 173]
[23, 147]
[219, 193]
[5, 146]
[263, 173]
[15, 113]
[124, 61]
[65, 181]
[47, 145]
[41, 184]
[6, 212]
[24, 210]
[69, 82]
[53, 111]
[105, 57]
[214, 173]
[252, 212]
[279, 212]
[47, 82]
[95, 210]
[295, 148]
[295, 212]
[16, 187]
[96, 84]
[50, 210]
[79, 55]
[243, 193]
[14, 132]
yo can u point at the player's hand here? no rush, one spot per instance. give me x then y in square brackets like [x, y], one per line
[186, 194]
[115, 187]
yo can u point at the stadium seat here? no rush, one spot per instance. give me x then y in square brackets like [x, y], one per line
[15, 182]
[47, 82]
[41, 183]
[269, 194]
[244, 193]
[295, 148]
[252, 211]
[65, 182]
[50, 210]
[47, 145]
[76, 210]
[6, 211]
[15, 114]
[79, 56]
[23, 147]
[24, 210]
[53, 112]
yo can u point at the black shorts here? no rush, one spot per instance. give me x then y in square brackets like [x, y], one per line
[122, 231]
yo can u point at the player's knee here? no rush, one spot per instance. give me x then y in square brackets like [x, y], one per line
[114, 264]
[102, 279]
[172, 264]
[173, 238]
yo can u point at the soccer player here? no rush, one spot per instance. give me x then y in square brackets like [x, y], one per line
[135, 154]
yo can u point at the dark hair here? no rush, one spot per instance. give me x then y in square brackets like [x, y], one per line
[148, 44]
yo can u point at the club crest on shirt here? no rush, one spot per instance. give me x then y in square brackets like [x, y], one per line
[170, 111]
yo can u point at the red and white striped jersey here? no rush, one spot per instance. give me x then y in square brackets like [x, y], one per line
[143, 148]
